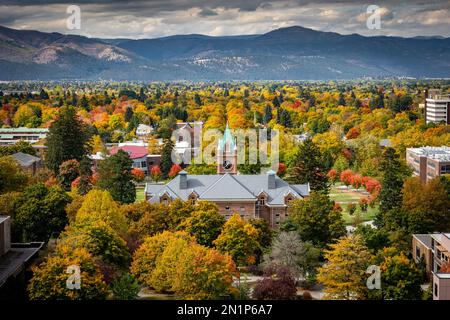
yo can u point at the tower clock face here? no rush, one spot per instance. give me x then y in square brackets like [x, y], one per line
[227, 165]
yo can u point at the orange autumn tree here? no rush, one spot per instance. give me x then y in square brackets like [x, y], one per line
[138, 174]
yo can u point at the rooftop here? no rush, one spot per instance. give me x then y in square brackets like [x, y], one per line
[23, 129]
[134, 152]
[24, 159]
[228, 187]
[438, 153]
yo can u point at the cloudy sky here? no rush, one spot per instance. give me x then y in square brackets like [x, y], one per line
[155, 18]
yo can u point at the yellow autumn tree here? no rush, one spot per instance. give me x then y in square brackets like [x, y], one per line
[99, 205]
[50, 278]
[343, 275]
[238, 239]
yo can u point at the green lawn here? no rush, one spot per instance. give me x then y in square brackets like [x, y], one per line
[139, 194]
[344, 197]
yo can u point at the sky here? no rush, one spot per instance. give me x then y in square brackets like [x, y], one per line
[156, 18]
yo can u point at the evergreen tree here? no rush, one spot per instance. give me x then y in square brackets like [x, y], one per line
[84, 103]
[267, 114]
[67, 139]
[394, 172]
[116, 177]
[309, 167]
[341, 100]
[128, 114]
[85, 184]
[166, 158]
[43, 94]
[142, 97]
[197, 99]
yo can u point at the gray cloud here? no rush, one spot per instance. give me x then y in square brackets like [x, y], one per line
[145, 19]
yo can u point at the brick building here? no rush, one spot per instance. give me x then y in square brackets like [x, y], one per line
[263, 196]
[434, 250]
[428, 162]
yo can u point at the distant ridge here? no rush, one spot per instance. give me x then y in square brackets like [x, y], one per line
[282, 54]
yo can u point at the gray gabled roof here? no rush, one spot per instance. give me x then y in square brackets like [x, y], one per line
[24, 159]
[218, 187]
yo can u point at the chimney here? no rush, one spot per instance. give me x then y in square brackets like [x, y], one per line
[183, 179]
[271, 179]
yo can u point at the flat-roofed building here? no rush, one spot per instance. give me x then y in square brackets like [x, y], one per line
[15, 262]
[12, 135]
[434, 250]
[437, 107]
[429, 162]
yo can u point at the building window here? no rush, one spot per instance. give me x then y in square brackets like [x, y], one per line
[261, 201]
[143, 164]
[445, 169]
[227, 208]
[417, 253]
[436, 289]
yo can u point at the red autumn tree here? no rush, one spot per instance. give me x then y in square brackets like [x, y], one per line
[356, 181]
[333, 175]
[174, 170]
[346, 177]
[156, 173]
[138, 174]
[281, 169]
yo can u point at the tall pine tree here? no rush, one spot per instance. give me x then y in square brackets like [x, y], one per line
[166, 158]
[309, 167]
[116, 177]
[67, 139]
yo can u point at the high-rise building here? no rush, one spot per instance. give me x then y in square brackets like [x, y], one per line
[437, 107]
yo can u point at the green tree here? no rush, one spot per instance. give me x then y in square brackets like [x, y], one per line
[401, 278]
[67, 139]
[309, 167]
[116, 177]
[394, 172]
[41, 213]
[166, 158]
[85, 184]
[125, 287]
[12, 178]
[315, 219]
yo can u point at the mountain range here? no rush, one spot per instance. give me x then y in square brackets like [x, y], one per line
[293, 53]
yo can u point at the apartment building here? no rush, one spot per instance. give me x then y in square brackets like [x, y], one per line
[437, 107]
[429, 162]
[434, 250]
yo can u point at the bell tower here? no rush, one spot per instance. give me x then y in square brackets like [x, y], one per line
[227, 153]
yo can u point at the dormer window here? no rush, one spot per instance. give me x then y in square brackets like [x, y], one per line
[262, 198]
[193, 197]
[288, 198]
